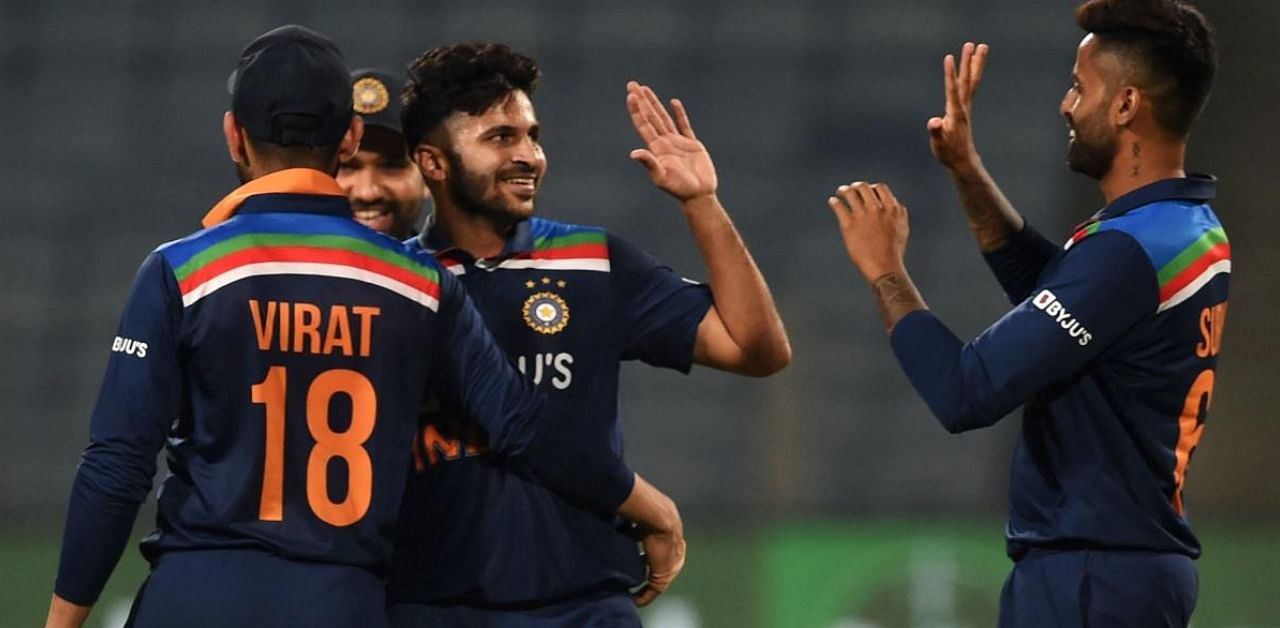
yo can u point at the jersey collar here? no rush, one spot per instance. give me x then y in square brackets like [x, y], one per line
[519, 242]
[302, 182]
[1193, 187]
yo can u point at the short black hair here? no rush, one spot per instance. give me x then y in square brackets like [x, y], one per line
[464, 77]
[1171, 44]
[277, 156]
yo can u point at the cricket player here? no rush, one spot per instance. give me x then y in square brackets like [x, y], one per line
[386, 190]
[568, 303]
[280, 357]
[1113, 343]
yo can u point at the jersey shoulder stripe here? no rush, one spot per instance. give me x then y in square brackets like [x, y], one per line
[258, 245]
[563, 246]
[1185, 242]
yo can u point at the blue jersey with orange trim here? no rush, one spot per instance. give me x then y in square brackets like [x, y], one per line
[1112, 349]
[568, 303]
[279, 358]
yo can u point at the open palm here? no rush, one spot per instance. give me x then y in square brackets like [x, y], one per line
[677, 162]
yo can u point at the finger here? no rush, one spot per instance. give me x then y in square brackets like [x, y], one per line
[661, 119]
[934, 126]
[885, 195]
[868, 196]
[682, 119]
[646, 595]
[647, 159]
[840, 209]
[962, 75]
[949, 83]
[850, 197]
[635, 107]
[975, 70]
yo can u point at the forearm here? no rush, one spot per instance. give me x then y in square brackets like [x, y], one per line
[650, 508]
[957, 391]
[896, 296]
[992, 218]
[742, 298]
[64, 614]
[587, 471]
[99, 521]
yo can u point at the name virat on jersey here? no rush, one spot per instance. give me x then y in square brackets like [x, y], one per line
[295, 327]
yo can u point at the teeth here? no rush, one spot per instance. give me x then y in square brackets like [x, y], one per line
[521, 181]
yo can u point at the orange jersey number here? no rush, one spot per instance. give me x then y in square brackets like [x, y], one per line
[1190, 428]
[347, 445]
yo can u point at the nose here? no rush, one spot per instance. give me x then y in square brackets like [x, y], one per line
[1068, 102]
[364, 186]
[528, 152]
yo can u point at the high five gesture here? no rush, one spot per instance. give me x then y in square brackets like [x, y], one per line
[677, 162]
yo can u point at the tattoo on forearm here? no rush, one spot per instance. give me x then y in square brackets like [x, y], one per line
[991, 217]
[896, 296]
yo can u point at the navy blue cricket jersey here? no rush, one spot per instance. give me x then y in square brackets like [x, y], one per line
[280, 358]
[1112, 349]
[568, 304]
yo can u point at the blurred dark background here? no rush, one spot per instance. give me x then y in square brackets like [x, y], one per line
[111, 127]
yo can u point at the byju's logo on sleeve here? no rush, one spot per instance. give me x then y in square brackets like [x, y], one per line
[129, 346]
[1048, 303]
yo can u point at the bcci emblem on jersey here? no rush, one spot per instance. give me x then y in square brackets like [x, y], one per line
[546, 312]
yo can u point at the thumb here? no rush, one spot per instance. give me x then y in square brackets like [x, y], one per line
[646, 595]
[646, 158]
[935, 126]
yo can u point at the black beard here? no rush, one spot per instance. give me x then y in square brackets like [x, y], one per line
[466, 190]
[1091, 158]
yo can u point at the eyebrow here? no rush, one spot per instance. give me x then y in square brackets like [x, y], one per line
[501, 128]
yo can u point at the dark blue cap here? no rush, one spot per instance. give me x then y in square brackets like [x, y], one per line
[375, 95]
[291, 88]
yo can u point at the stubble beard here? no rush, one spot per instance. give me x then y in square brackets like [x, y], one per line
[1092, 151]
[467, 191]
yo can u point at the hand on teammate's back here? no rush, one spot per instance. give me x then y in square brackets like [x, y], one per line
[951, 136]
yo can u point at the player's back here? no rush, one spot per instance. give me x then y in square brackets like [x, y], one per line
[305, 340]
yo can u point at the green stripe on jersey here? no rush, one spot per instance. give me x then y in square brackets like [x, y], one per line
[1210, 239]
[336, 242]
[573, 239]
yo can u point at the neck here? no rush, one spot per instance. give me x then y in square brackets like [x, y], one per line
[1142, 161]
[478, 235]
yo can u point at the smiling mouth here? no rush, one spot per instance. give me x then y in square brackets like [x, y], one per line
[370, 213]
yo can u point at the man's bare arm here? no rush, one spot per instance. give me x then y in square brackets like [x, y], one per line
[992, 218]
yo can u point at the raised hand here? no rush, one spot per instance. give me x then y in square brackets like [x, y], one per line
[874, 227]
[951, 136]
[677, 162]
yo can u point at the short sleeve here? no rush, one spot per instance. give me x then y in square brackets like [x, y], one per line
[659, 310]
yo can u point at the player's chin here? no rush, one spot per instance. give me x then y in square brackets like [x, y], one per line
[520, 207]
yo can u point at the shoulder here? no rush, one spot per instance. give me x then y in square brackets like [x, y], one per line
[1174, 235]
[551, 234]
